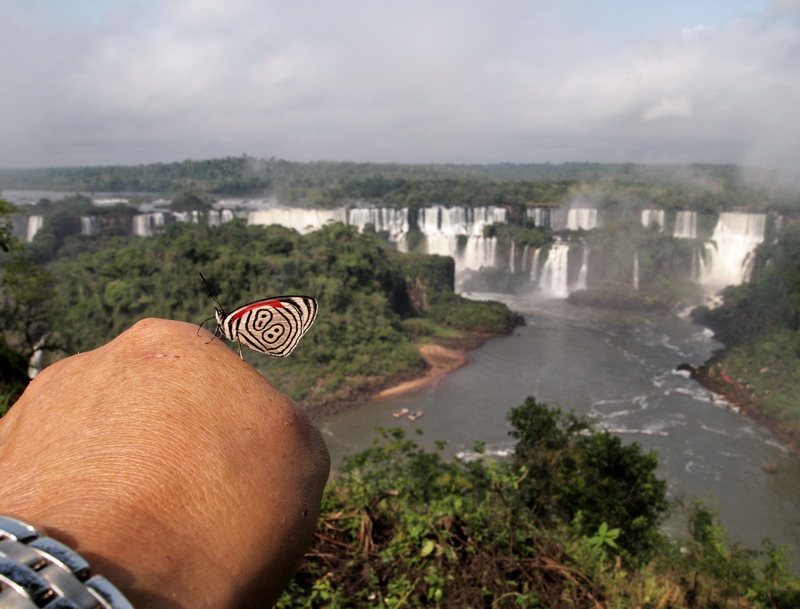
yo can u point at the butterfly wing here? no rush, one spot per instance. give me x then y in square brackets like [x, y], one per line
[273, 325]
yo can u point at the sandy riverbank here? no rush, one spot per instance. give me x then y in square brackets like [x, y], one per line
[442, 360]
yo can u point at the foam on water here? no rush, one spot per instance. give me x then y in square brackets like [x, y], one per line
[498, 451]
[702, 470]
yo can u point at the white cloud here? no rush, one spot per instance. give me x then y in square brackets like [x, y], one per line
[672, 107]
[469, 81]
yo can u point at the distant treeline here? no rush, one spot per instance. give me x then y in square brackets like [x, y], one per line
[700, 186]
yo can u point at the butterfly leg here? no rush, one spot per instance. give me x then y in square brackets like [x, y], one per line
[238, 342]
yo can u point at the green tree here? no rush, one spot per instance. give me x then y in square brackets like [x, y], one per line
[588, 477]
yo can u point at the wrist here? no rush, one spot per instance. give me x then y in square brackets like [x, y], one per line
[38, 571]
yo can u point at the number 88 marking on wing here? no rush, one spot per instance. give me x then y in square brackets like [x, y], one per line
[273, 326]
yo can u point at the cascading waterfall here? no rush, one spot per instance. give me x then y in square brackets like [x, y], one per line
[685, 225]
[728, 258]
[458, 232]
[35, 224]
[535, 265]
[540, 215]
[390, 220]
[582, 218]
[190, 217]
[90, 225]
[554, 280]
[302, 220]
[584, 270]
[145, 225]
[479, 252]
[698, 265]
[219, 216]
[651, 217]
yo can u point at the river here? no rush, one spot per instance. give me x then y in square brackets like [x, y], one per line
[619, 370]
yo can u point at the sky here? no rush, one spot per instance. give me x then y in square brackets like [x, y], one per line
[106, 82]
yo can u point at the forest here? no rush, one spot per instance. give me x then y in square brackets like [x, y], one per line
[700, 187]
[65, 293]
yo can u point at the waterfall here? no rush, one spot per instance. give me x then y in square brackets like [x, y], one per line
[525, 256]
[698, 265]
[540, 216]
[459, 220]
[555, 271]
[582, 218]
[458, 232]
[90, 225]
[392, 221]
[219, 216]
[191, 217]
[653, 216]
[35, 224]
[728, 258]
[215, 216]
[479, 252]
[301, 220]
[584, 271]
[512, 262]
[535, 265]
[685, 225]
[636, 271]
[145, 225]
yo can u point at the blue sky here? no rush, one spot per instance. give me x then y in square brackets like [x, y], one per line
[474, 81]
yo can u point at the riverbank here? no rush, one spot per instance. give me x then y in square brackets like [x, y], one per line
[441, 356]
[711, 375]
[441, 361]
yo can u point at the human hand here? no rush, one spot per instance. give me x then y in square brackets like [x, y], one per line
[172, 466]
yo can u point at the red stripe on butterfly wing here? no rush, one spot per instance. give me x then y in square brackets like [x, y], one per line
[275, 304]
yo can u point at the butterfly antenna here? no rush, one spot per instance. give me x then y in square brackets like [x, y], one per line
[210, 293]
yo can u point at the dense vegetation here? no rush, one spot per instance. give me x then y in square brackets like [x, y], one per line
[637, 267]
[708, 188]
[759, 323]
[372, 300]
[572, 519]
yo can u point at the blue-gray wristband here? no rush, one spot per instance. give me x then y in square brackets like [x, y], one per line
[37, 571]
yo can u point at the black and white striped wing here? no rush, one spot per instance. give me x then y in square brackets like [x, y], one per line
[273, 325]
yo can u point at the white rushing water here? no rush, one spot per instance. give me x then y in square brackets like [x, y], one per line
[302, 220]
[460, 232]
[729, 254]
[685, 225]
[541, 216]
[35, 224]
[653, 217]
[582, 218]
[554, 277]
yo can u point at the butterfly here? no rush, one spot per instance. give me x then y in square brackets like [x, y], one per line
[273, 325]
